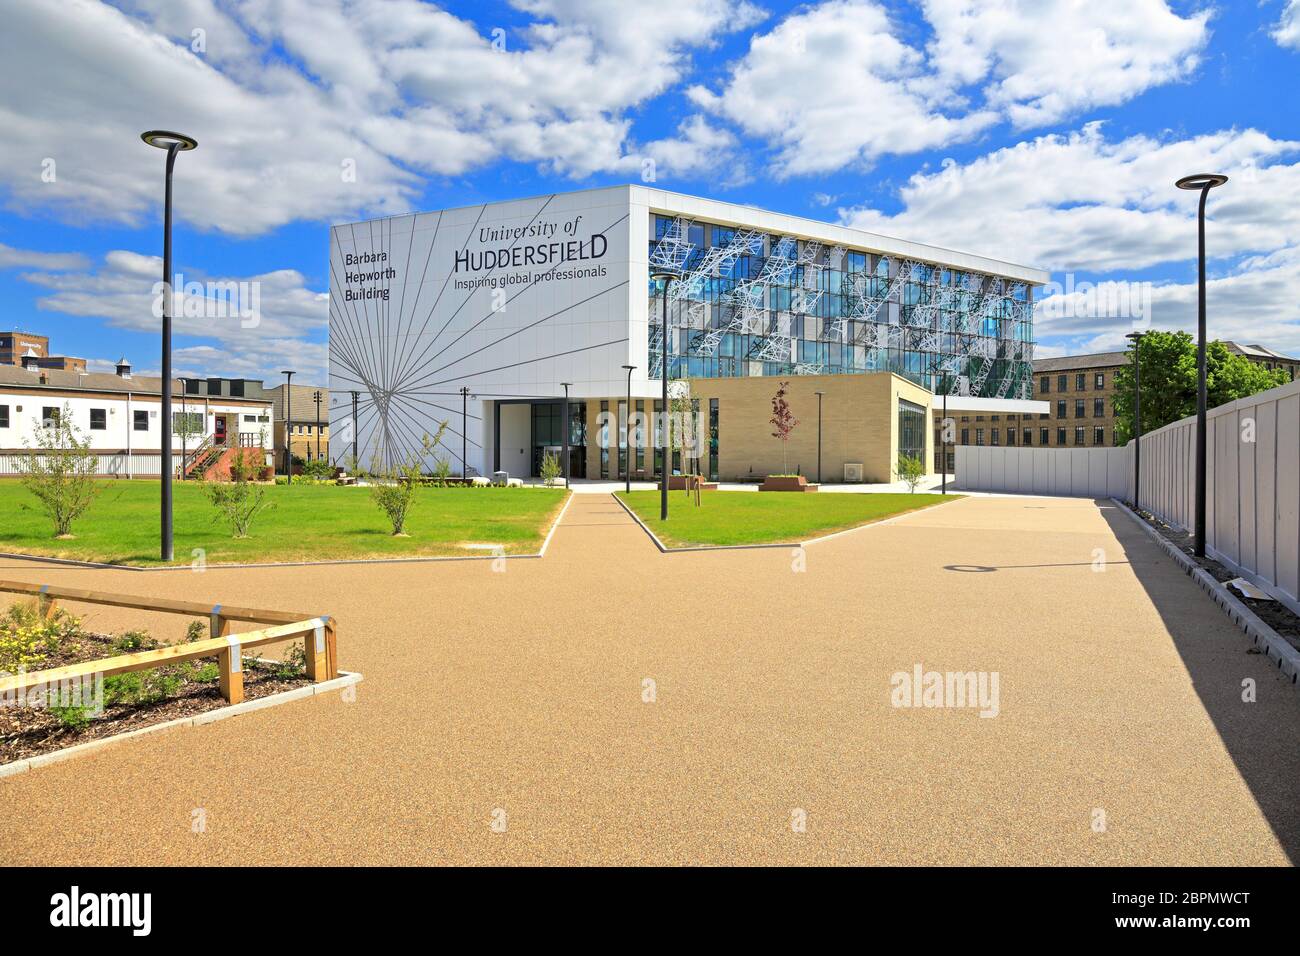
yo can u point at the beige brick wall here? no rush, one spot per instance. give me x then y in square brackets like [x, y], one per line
[859, 424]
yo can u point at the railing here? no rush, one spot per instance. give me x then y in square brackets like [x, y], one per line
[191, 457]
[318, 635]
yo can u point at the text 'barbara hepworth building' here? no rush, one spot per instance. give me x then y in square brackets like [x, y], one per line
[482, 315]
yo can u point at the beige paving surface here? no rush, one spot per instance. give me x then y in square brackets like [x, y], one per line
[1120, 691]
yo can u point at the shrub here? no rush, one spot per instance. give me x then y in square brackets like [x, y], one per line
[59, 469]
[550, 470]
[318, 469]
[26, 637]
[74, 717]
[910, 470]
[239, 500]
[393, 489]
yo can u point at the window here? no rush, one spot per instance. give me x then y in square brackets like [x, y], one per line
[637, 437]
[1081, 382]
[191, 386]
[1011, 436]
[622, 439]
[713, 439]
[1078, 434]
[1028, 437]
[979, 436]
[1043, 435]
[1099, 408]
[911, 430]
[1060, 408]
[1099, 381]
[1098, 435]
[49, 416]
[140, 420]
[237, 388]
[1078, 408]
[1062, 382]
[180, 421]
[98, 419]
[965, 436]
[214, 386]
[4, 416]
[604, 439]
[1060, 436]
[1045, 384]
[994, 437]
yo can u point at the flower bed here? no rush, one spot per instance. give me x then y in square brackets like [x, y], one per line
[35, 725]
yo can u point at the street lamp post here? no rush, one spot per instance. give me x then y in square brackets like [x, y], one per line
[819, 395]
[316, 397]
[288, 425]
[564, 429]
[666, 278]
[1136, 339]
[943, 427]
[174, 143]
[464, 431]
[627, 442]
[356, 463]
[1202, 183]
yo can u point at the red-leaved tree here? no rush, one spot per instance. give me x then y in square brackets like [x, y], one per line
[783, 421]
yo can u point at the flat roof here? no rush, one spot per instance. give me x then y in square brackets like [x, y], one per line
[741, 214]
[14, 376]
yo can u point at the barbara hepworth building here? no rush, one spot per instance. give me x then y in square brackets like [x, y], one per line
[479, 316]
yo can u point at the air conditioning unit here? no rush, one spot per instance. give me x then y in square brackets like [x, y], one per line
[853, 472]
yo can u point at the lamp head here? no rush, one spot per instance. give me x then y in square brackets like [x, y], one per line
[628, 368]
[1135, 337]
[665, 276]
[1201, 181]
[166, 139]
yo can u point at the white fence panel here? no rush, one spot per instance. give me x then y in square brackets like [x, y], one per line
[1084, 472]
[1252, 486]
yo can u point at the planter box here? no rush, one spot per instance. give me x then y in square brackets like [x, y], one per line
[678, 483]
[786, 483]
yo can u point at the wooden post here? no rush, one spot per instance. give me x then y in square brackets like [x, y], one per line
[231, 665]
[315, 644]
[332, 648]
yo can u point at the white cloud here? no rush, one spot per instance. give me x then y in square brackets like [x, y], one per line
[1253, 303]
[1083, 203]
[1042, 61]
[286, 97]
[11, 258]
[1287, 31]
[289, 325]
[838, 84]
[834, 86]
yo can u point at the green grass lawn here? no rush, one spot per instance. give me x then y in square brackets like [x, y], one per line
[306, 523]
[751, 517]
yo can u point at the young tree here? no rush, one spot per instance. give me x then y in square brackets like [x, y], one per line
[550, 470]
[910, 470]
[683, 433]
[1168, 366]
[60, 470]
[240, 499]
[783, 421]
[393, 489]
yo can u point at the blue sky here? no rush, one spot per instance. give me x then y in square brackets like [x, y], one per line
[1047, 132]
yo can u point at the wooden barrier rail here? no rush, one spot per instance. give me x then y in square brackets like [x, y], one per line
[318, 634]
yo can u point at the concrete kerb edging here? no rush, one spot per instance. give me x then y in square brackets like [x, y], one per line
[102, 566]
[664, 549]
[1271, 644]
[345, 679]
